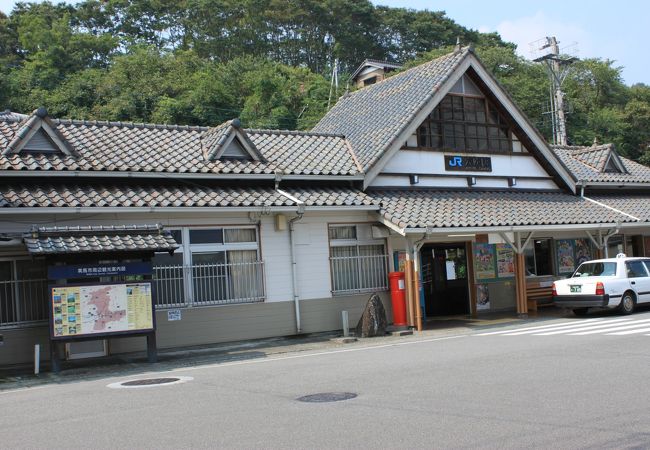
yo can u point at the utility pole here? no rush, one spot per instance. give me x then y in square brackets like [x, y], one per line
[557, 68]
[334, 82]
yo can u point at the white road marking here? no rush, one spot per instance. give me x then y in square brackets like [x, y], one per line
[635, 331]
[636, 324]
[588, 327]
[539, 327]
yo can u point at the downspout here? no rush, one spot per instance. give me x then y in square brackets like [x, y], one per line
[294, 277]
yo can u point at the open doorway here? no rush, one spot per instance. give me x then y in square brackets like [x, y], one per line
[445, 279]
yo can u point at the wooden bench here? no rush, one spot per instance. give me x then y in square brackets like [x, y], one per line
[539, 294]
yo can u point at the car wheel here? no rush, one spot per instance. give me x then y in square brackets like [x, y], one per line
[627, 303]
[580, 311]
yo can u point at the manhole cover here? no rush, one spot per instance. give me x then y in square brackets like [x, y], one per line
[327, 397]
[149, 382]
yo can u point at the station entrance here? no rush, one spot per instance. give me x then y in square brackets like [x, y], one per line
[445, 279]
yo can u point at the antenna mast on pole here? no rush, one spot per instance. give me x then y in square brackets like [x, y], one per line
[558, 68]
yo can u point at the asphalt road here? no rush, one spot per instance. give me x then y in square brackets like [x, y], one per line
[570, 384]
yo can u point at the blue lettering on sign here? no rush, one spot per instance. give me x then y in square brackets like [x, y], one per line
[456, 161]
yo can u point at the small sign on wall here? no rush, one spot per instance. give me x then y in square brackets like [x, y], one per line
[174, 314]
[459, 163]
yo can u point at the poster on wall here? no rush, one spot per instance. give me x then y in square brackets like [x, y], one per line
[505, 261]
[82, 310]
[399, 260]
[484, 262]
[565, 258]
[582, 251]
[482, 297]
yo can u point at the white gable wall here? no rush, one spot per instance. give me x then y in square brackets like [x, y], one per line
[431, 168]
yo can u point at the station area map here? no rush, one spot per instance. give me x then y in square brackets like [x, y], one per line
[111, 308]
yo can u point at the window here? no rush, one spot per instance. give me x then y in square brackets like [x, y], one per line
[23, 291]
[357, 261]
[539, 259]
[466, 121]
[635, 269]
[213, 266]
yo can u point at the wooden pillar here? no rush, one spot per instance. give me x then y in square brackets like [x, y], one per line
[415, 285]
[471, 283]
[408, 285]
[520, 280]
[599, 253]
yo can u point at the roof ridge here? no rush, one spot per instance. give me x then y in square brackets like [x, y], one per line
[463, 51]
[139, 125]
[293, 132]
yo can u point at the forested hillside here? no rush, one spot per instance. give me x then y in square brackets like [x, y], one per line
[268, 62]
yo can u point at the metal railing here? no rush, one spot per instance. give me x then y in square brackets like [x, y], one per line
[23, 302]
[359, 274]
[208, 284]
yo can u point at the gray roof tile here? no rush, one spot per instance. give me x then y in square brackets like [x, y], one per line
[587, 163]
[71, 195]
[442, 209]
[128, 147]
[373, 117]
[65, 240]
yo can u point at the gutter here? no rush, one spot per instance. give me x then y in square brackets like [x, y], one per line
[171, 209]
[98, 174]
[524, 228]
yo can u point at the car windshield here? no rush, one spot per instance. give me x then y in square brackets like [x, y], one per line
[596, 269]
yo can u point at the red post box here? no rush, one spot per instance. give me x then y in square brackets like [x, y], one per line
[398, 298]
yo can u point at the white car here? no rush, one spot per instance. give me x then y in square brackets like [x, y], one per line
[619, 282]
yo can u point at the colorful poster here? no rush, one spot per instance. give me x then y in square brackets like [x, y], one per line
[482, 297]
[582, 251]
[399, 260]
[505, 261]
[484, 262]
[79, 310]
[565, 258]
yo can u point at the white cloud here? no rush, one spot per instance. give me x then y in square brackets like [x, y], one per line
[525, 30]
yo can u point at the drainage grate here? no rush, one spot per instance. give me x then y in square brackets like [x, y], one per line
[326, 397]
[148, 382]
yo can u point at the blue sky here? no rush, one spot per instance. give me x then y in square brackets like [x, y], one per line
[604, 29]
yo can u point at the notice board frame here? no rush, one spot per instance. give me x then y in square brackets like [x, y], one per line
[93, 336]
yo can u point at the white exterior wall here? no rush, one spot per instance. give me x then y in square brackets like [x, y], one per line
[311, 237]
[430, 165]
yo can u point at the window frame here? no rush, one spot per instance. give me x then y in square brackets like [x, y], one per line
[188, 249]
[444, 130]
[357, 243]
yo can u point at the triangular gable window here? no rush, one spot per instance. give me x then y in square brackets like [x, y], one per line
[465, 120]
[611, 166]
[38, 134]
[235, 150]
[40, 143]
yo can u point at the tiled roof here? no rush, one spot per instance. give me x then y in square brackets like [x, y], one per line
[373, 117]
[442, 209]
[587, 163]
[635, 205]
[116, 146]
[149, 195]
[48, 241]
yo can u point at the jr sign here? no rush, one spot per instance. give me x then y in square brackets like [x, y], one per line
[468, 163]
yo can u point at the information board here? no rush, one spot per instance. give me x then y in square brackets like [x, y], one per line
[103, 309]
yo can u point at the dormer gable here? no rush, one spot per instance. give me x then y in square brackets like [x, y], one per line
[229, 141]
[38, 135]
[602, 158]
